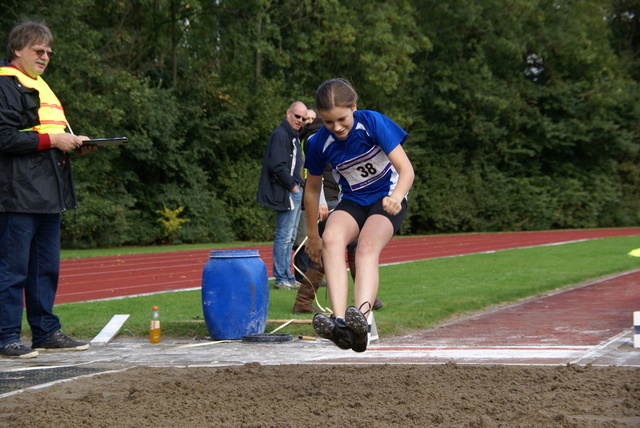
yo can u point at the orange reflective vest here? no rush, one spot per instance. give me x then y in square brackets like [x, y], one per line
[50, 113]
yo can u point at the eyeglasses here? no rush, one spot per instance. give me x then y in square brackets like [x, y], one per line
[302, 118]
[41, 52]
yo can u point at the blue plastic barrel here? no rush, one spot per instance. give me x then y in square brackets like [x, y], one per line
[235, 294]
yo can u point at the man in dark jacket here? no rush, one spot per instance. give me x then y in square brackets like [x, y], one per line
[36, 186]
[280, 188]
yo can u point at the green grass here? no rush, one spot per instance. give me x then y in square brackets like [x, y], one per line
[417, 295]
[121, 251]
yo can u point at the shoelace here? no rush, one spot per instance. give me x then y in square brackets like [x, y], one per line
[368, 310]
[14, 345]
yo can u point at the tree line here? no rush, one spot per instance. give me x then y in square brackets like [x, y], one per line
[521, 115]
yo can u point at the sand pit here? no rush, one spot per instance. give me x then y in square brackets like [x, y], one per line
[254, 395]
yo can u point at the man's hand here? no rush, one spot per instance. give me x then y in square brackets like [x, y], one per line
[67, 142]
[323, 212]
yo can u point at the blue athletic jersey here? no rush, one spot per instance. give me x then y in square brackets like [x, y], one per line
[360, 163]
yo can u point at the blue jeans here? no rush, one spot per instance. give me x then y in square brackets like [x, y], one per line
[29, 264]
[286, 226]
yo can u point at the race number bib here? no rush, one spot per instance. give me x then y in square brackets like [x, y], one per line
[365, 169]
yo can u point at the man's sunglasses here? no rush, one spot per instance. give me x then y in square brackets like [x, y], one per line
[304, 119]
[41, 52]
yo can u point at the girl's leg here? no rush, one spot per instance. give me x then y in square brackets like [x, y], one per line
[341, 229]
[376, 233]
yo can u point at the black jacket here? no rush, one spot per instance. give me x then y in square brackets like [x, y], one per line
[278, 174]
[329, 183]
[31, 181]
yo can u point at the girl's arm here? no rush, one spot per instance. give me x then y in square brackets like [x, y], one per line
[402, 164]
[311, 197]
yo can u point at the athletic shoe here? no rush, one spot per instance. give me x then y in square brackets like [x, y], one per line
[59, 341]
[359, 327]
[17, 350]
[286, 286]
[330, 328]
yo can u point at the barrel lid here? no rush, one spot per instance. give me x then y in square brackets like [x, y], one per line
[226, 254]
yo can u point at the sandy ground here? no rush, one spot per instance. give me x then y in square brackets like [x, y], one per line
[254, 395]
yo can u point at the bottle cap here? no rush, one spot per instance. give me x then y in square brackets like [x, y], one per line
[155, 308]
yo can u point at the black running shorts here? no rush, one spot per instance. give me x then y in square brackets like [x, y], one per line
[362, 213]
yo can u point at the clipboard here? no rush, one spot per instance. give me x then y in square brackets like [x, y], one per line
[114, 141]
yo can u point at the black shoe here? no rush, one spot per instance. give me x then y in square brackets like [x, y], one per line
[17, 350]
[359, 327]
[329, 328]
[59, 341]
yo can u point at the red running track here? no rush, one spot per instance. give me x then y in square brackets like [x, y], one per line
[119, 276]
